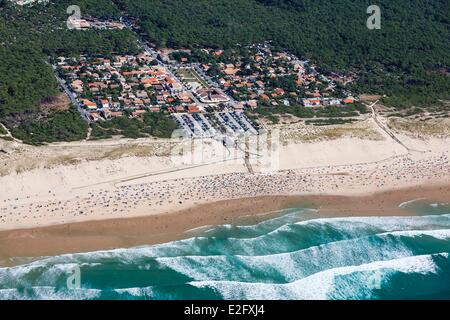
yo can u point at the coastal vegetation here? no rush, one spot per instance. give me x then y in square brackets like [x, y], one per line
[54, 126]
[153, 124]
[439, 128]
[300, 132]
[319, 116]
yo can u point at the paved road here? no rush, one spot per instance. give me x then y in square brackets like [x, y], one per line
[71, 96]
[154, 55]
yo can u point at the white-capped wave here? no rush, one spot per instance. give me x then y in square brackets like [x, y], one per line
[48, 293]
[391, 223]
[139, 292]
[288, 267]
[321, 231]
[322, 285]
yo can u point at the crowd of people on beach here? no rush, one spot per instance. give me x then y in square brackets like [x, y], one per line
[129, 198]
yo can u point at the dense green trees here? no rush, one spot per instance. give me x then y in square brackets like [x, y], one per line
[159, 125]
[31, 34]
[154, 124]
[28, 36]
[24, 80]
[55, 126]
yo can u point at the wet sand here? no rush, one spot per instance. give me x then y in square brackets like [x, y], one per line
[159, 228]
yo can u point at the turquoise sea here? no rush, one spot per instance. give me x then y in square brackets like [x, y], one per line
[292, 255]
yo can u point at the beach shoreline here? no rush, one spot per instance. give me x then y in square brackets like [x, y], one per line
[85, 196]
[160, 228]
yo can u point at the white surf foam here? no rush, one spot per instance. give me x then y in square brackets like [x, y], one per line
[137, 291]
[321, 285]
[302, 263]
[49, 293]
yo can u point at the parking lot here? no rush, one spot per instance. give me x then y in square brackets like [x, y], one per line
[195, 125]
[198, 125]
[236, 122]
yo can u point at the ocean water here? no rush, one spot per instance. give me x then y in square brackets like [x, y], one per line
[294, 255]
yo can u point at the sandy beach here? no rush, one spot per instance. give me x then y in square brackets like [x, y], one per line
[152, 229]
[72, 197]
